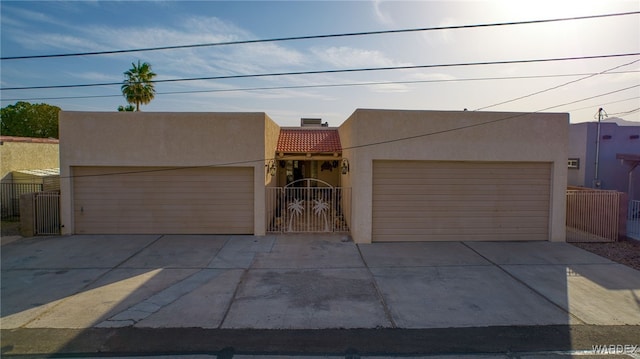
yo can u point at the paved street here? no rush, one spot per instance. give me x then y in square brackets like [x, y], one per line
[311, 294]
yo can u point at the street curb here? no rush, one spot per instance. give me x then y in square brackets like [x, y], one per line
[27, 342]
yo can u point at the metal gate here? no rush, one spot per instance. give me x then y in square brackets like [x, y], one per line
[633, 220]
[10, 197]
[46, 213]
[308, 205]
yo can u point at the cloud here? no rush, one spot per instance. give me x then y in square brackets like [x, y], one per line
[436, 76]
[390, 88]
[202, 61]
[348, 57]
[380, 14]
[94, 76]
[44, 41]
[28, 17]
[442, 37]
[187, 62]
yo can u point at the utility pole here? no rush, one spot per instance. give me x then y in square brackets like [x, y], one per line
[596, 179]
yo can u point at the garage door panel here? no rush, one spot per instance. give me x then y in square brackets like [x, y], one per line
[462, 200]
[468, 233]
[163, 200]
[462, 182]
[465, 215]
[432, 200]
[461, 237]
[166, 197]
[478, 206]
[460, 169]
[449, 222]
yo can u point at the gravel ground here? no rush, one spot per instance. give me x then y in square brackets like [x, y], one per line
[10, 228]
[626, 251]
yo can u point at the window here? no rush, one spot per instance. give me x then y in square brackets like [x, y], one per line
[574, 163]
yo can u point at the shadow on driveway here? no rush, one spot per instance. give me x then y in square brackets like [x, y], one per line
[309, 294]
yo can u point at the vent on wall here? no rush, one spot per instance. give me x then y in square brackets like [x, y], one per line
[606, 137]
[634, 137]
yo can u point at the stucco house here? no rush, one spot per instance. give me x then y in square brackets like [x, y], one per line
[387, 175]
[27, 153]
[609, 162]
[26, 165]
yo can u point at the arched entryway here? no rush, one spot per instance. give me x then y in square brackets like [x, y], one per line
[308, 205]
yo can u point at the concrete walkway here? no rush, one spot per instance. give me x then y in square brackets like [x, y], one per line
[84, 293]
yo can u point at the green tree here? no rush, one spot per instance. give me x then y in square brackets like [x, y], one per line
[138, 84]
[127, 108]
[29, 120]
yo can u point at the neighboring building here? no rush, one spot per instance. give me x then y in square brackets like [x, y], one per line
[412, 175]
[26, 165]
[26, 153]
[48, 178]
[613, 171]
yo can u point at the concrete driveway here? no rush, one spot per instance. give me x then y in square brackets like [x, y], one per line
[62, 289]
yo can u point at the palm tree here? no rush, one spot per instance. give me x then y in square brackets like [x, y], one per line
[138, 86]
[296, 207]
[321, 207]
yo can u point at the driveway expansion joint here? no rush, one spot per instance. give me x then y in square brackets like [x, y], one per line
[233, 297]
[537, 292]
[387, 311]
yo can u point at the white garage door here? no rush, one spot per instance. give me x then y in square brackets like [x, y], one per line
[460, 201]
[163, 200]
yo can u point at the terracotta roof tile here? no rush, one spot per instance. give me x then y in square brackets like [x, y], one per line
[302, 140]
[28, 139]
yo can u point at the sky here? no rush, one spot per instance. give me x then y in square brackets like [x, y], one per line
[579, 87]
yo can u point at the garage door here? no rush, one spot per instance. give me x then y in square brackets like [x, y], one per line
[163, 200]
[460, 201]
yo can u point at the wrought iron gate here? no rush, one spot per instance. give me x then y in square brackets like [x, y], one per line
[308, 205]
[633, 220]
[46, 213]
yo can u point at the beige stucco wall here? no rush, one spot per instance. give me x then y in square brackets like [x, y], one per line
[271, 133]
[17, 153]
[451, 136]
[163, 139]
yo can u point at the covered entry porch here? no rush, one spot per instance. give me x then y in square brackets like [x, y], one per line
[308, 168]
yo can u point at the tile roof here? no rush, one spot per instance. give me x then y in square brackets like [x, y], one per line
[28, 139]
[41, 172]
[305, 140]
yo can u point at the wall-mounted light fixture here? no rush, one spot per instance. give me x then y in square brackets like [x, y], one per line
[345, 166]
[271, 167]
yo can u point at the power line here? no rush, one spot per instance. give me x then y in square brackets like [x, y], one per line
[347, 84]
[486, 122]
[590, 98]
[263, 160]
[309, 37]
[316, 72]
[625, 112]
[557, 86]
[607, 103]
